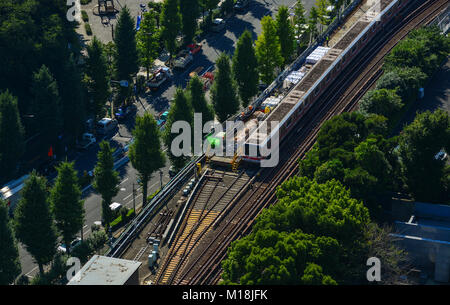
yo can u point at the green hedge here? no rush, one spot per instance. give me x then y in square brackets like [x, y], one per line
[88, 29]
[84, 16]
[84, 2]
[117, 223]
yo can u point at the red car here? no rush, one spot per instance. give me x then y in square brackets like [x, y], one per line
[194, 48]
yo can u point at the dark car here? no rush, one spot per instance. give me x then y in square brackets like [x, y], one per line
[241, 5]
[123, 113]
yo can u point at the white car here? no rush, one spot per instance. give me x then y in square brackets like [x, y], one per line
[218, 25]
[75, 243]
[115, 206]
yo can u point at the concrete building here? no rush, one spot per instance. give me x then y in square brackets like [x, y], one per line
[426, 237]
[103, 270]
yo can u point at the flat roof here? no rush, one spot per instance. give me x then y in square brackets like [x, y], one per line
[103, 270]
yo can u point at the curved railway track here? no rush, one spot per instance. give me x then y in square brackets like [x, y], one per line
[342, 95]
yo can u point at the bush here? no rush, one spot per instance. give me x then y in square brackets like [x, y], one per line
[84, 16]
[149, 198]
[84, 2]
[117, 223]
[88, 29]
[97, 240]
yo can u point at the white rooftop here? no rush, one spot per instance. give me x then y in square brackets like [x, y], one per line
[103, 270]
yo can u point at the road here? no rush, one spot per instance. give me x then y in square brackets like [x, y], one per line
[213, 45]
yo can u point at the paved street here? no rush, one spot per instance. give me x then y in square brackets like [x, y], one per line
[213, 45]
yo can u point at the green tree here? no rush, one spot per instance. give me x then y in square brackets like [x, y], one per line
[189, 10]
[46, 106]
[145, 152]
[268, 50]
[170, 24]
[322, 13]
[127, 59]
[181, 110]
[97, 76]
[106, 180]
[73, 96]
[12, 144]
[406, 81]
[9, 255]
[314, 234]
[312, 23]
[34, 222]
[147, 40]
[66, 203]
[198, 101]
[285, 33]
[156, 7]
[245, 68]
[419, 142]
[223, 92]
[381, 101]
[299, 19]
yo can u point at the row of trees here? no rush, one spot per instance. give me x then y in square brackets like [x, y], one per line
[407, 68]
[39, 72]
[40, 216]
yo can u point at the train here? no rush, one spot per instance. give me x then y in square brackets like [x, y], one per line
[315, 80]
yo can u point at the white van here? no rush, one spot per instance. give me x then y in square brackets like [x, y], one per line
[105, 125]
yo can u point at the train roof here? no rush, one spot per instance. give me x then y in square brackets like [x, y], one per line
[318, 72]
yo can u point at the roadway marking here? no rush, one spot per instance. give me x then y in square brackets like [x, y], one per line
[124, 180]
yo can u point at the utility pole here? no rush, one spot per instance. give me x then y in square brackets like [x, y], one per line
[160, 178]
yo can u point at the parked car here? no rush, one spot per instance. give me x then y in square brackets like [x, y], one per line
[183, 59]
[194, 48]
[441, 155]
[75, 243]
[159, 77]
[241, 5]
[123, 113]
[87, 140]
[105, 125]
[218, 25]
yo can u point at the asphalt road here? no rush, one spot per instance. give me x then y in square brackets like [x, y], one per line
[213, 45]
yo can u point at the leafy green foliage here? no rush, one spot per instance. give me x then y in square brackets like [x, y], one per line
[97, 76]
[147, 40]
[384, 102]
[189, 10]
[245, 68]
[426, 177]
[9, 254]
[285, 33]
[268, 50]
[313, 235]
[196, 96]
[145, 152]
[424, 48]
[66, 202]
[46, 106]
[11, 136]
[106, 179]
[224, 90]
[170, 24]
[127, 59]
[181, 110]
[34, 222]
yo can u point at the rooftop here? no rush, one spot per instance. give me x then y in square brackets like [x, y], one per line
[103, 270]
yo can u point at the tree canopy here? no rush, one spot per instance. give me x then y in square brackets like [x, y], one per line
[245, 68]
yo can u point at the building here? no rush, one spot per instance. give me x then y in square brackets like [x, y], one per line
[103, 270]
[426, 238]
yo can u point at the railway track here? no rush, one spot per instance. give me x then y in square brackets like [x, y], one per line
[342, 96]
[212, 197]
